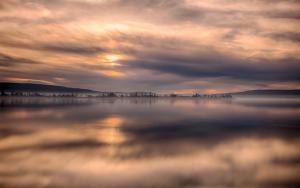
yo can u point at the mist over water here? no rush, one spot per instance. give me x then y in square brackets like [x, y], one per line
[150, 142]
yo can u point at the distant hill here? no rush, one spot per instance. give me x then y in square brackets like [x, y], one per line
[27, 87]
[268, 92]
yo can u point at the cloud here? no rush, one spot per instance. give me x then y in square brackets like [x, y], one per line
[237, 43]
[222, 67]
[8, 61]
[72, 49]
[289, 36]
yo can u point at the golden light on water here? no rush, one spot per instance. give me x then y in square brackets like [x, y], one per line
[112, 121]
[182, 47]
[90, 144]
[111, 133]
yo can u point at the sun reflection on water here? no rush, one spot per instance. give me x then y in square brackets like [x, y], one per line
[109, 130]
[181, 144]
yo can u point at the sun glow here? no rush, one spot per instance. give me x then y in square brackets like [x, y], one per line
[112, 58]
[111, 73]
[111, 61]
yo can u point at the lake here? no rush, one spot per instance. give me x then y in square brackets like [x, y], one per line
[150, 142]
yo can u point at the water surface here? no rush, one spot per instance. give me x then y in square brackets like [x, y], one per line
[149, 142]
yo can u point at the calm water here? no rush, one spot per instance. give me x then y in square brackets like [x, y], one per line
[149, 142]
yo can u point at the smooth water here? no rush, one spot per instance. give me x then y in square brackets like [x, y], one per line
[149, 142]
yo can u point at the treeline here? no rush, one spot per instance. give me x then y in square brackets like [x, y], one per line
[77, 94]
[212, 96]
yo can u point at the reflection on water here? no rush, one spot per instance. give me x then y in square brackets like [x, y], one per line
[149, 142]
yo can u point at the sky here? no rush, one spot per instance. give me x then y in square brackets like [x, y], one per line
[181, 46]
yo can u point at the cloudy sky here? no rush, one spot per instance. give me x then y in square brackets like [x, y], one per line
[159, 45]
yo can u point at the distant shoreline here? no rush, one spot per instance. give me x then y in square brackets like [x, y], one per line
[42, 90]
